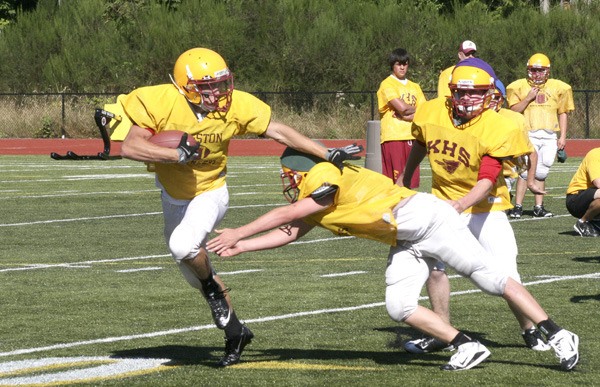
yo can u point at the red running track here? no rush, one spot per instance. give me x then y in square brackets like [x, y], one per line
[249, 147]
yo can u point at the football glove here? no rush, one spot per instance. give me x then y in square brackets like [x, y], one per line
[186, 151]
[337, 156]
[561, 156]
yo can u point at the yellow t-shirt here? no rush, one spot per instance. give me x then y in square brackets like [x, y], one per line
[162, 107]
[392, 127]
[363, 203]
[455, 153]
[443, 80]
[588, 171]
[554, 98]
[512, 168]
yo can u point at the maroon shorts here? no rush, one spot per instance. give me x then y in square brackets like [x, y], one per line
[393, 160]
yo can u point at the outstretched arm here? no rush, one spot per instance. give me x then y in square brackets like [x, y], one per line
[286, 135]
[276, 238]
[275, 218]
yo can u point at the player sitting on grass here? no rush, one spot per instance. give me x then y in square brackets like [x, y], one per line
[420, 229]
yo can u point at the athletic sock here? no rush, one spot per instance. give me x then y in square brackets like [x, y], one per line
[210, 287]
[549, 328]
[234, 327]
[461, 338]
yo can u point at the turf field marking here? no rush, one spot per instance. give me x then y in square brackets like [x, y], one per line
[240, 272]
[320, 240]
[79, 219]
[83, 263]
[67, 194]
[278, 365]
[342, 274]
[151, 268]
[85, 369]
[536, 219]
[257, 320]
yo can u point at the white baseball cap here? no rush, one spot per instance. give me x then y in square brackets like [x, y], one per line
[467, 47]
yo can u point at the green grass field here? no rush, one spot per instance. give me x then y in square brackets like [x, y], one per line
[90, 295]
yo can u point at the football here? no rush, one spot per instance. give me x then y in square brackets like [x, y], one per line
[171, 139]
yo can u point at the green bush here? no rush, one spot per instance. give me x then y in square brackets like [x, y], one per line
[286, 45]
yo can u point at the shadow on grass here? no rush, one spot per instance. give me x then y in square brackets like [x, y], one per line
[182, 355]
[591, 297]
[587, 259]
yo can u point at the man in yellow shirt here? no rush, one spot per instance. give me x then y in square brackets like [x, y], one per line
[420, 230]
[202, 102]
[545, 103]
[583, 195]
[397, 98]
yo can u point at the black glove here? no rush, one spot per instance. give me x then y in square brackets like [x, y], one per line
[186, 151]
[337, 156]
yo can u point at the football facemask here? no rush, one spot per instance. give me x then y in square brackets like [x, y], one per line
[472, 89]
[291, 181]
[538, 69]
[203, 77]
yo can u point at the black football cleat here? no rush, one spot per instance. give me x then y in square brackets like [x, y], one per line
[234, 347]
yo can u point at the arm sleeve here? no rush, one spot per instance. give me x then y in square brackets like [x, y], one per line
[323, 191]
[490, 169]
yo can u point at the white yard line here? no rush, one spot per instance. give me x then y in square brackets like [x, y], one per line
[342, 274]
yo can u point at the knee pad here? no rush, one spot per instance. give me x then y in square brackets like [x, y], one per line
[399, 308]
[183, 244]
[541, 172]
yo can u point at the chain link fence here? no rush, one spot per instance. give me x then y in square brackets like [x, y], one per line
[325, 115]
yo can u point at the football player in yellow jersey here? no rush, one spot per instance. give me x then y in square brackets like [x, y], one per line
[466, 142]
[420, 229]
[512, 167]
[397, 98]
[202, 102]
[583, 195]
[545, 103]
[467, 49]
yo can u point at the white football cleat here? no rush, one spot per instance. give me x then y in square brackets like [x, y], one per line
[566, 347]
[467, 356]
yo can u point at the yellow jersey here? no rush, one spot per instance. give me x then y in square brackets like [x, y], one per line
[443, 90]
[512, 168]
[555, 97]
[392, 127]
[588, 171]
[162, 107]
[363, 204]
[455, 153]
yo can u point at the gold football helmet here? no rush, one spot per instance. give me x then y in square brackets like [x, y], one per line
[472, 89]
[538, 69]
[203, 77]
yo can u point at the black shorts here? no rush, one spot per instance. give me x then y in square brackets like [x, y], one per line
[578, 204]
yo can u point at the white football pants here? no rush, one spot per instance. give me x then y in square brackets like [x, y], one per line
[429, 229]
[188, 223]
